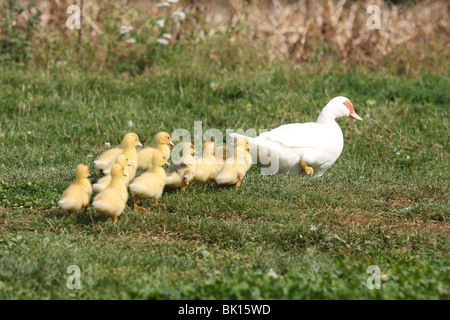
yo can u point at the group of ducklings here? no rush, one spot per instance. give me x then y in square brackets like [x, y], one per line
[119, 166]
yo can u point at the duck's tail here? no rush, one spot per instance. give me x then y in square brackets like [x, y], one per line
[258, 142]
[69, 204]
[101, 206]
[98, 187]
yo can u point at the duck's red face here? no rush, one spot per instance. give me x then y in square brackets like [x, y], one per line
[353, 114]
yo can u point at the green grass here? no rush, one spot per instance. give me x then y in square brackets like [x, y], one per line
[384, 202]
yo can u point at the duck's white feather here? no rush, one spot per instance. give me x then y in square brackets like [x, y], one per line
[318, 143]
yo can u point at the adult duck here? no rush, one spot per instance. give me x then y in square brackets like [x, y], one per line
[307, 148]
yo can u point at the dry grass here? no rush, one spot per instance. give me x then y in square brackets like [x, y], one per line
[297, 30]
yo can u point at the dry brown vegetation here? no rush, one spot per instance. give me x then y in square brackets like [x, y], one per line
[293, 29]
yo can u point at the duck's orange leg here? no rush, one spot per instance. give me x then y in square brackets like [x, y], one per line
[186, 184]
[115, 219]
[238, 184]
[136, 205]
[156, 201]
[306, 169]
[85, 207]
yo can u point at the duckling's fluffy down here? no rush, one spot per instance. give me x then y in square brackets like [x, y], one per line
[229, 174]
[110, 202]
[148, 185]
[74, 197]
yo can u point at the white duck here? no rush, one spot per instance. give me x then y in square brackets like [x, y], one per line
[304, 147]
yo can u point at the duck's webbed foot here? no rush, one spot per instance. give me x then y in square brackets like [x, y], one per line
[136, 206]
[306, 169]
[185, 183]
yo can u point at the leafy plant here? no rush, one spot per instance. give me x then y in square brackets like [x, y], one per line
[17, 29]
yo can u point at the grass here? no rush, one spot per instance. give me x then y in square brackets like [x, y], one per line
[384, 202]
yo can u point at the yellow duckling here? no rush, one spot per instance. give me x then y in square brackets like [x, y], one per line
[78, 194]
[235, 169]
[179, 175]
[129, 144]
[112, 200]
[206, 167]
[151, 183]
[221, 157]
[145, 155]
[104, 181]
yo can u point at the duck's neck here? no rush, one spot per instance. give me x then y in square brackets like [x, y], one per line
[82, 181]
[326, 118]
[157, 170]
[248, 159]
[131, 153]
[163, 148]
[116, 183]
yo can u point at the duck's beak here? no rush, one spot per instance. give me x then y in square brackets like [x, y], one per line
[129, 164]
[171, 143]
[139, 144]
[167, 163]
[249, 149]
[354, 115]
[195, 152]
[89, 175]
[124, 174]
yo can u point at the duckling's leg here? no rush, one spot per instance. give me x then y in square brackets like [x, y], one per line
[156, 201]
[307, 170]
[136, 205]
[85, 207]
[100, 173]
[212, 180]
[115, 219]
[186, 184]
[238, 184]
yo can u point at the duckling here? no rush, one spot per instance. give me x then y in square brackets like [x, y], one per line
[221, 157]
[104, 182]
[151, 183]
[162, 145]
[78, 194]
[112, 200]
[129, 144]
[206, 167]
[179, 175]
[235, 169]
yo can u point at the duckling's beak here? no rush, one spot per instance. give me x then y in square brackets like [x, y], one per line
[167, 163]
[89, 175]
[139, 144]
[249, 149]
[171, 143]
[124, 174]
[129, 164]
[354, 115]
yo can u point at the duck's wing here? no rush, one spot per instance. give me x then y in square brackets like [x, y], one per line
[297, 135]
